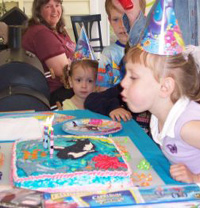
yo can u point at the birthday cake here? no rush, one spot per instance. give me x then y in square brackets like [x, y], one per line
[78, 163]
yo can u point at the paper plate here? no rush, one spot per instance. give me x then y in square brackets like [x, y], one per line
[91, 127]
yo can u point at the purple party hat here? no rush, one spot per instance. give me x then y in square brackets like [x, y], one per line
[83, 48]
[162, 34]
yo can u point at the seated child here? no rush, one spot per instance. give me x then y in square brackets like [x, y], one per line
[82, 78]
[110, 72]
[184, 11]
[163, 77]
[170, 97]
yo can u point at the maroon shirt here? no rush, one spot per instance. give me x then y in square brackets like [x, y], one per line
[45, 44]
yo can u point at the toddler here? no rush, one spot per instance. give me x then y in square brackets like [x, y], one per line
[82, 78]
[168, 86]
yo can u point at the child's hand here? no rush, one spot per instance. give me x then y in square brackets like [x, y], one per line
[120, 113]
[180, 172]
[118, 5]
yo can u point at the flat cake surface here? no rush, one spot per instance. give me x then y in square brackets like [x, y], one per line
[78, 162]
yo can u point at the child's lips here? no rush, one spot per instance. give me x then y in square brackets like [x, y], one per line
[84, 92]
[123, 33]
[124, 98]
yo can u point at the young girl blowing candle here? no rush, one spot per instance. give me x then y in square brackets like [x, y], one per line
[164, 78]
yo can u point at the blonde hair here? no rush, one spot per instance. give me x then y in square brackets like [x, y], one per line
[109, 6]
[85, 64]
[182, 70]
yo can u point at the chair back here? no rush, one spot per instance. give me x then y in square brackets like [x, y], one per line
[88, 22]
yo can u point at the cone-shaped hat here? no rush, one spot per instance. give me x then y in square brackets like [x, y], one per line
[162, 34]
[83, 48]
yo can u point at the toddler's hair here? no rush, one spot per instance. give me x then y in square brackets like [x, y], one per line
[109, 5]
[182, 69]
[85, 64]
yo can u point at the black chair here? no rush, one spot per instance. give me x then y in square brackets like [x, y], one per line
[88, 22]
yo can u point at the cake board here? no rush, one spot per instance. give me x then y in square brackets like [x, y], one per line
[141, 176]
[5, 163]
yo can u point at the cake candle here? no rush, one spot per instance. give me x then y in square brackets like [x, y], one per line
[51, 143]
[46, 137]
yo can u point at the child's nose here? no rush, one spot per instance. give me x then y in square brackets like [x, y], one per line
[123, 82]
[121, 23]
[84, 84]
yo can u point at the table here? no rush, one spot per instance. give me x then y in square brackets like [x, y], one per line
[141, 140]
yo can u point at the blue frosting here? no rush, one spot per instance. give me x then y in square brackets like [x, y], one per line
[38, 163]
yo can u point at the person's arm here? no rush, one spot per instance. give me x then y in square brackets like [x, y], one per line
[120, 114]
[190, 134]
[58, 63]
[180, 172]
[103, 102]
[108, 103]
[49, 48]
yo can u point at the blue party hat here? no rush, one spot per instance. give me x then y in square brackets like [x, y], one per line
[162, 34]
[83, 48]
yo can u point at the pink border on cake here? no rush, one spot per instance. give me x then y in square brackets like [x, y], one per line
[69, 175]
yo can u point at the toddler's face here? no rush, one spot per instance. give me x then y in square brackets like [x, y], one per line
[116, 21]
[83, 82]
[140, 88]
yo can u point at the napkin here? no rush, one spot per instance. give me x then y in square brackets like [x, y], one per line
[20, 128]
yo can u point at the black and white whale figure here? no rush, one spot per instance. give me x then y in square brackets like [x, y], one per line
[77, 150]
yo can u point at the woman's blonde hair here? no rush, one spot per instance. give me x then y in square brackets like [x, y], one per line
[37, 19]
[182, 69]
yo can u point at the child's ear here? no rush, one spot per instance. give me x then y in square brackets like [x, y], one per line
[167, 87]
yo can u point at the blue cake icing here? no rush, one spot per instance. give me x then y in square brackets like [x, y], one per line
[78, 163]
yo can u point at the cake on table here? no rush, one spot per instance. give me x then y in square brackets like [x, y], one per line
[78, 163]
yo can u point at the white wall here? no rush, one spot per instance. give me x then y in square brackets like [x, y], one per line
[98, 7]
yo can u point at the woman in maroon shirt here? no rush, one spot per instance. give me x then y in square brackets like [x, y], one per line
[47, 38]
